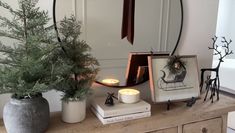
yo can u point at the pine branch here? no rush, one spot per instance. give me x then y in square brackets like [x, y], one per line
[6, 6]
[79, 66]
[12, 25]
[25, 23]
[5, 49]
[8, 62]
[27, 68]
[9, 35]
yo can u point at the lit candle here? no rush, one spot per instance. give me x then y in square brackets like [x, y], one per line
[111, 82]
[128, 95]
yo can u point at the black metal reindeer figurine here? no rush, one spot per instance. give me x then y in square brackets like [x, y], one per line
[214, 84]
[210, 85]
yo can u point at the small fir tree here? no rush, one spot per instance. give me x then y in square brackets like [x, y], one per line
[26, 68]
[76, 66]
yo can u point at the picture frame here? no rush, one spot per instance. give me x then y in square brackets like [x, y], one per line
[166, 86]
[141, 74]
[136, 71]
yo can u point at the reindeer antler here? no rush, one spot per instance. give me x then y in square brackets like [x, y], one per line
[215, 46]
[227, 51]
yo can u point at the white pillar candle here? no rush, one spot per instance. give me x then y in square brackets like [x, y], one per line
[111, 82]
[128, 95]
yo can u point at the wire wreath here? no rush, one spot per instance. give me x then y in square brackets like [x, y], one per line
[175, 65]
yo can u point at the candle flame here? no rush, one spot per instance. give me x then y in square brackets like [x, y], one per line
[110, 81]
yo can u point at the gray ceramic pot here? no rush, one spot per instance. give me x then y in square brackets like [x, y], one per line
[26, 115]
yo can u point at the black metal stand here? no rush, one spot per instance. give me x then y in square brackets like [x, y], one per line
[191, 102]
[168, 104]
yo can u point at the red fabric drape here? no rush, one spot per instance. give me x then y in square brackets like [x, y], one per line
[128, 20]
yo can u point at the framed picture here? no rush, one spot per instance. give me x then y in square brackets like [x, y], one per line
[173, 77]
[141, 74]
[136, 71]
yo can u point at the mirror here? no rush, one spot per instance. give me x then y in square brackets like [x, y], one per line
[158, 26]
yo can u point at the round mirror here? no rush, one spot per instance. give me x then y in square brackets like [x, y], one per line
[158, 26]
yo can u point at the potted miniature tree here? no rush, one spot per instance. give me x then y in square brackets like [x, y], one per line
[26, 67]
[77, 69]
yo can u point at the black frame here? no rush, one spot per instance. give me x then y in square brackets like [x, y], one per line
[181, 27]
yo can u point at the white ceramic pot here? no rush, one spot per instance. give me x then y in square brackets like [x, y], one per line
[73, 111]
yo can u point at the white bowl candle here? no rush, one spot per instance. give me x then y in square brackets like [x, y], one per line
[128, 95]
[111, 82]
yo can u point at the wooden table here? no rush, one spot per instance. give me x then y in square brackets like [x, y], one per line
[203, 117]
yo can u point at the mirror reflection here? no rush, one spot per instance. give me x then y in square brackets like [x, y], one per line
[157, 29]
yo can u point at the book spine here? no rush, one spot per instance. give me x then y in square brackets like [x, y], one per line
[111, 113]
[126, 117]
[121, 118]
[98, 109]
[124, 111]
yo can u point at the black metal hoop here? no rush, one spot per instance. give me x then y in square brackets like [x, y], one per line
[54, 20]
[172, 53]
[181, 27]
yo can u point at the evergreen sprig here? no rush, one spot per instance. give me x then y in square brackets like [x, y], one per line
[76, 66]
[175, 65]
[26, 68]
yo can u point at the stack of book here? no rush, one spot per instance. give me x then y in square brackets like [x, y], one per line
[119, 111]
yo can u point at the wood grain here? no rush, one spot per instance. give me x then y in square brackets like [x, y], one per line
[207, 126]
[168, 130]
[161, 119]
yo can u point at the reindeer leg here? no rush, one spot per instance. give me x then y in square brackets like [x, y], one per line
[202, 80]
[207, 90]
[218, 88]
[212, 100]
[214, 90]
[211, 89]
[212, 94]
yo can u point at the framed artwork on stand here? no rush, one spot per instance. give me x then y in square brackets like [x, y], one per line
[173, 78]
[137, 66]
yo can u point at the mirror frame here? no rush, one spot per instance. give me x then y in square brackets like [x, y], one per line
[123, 86]
[181, 28]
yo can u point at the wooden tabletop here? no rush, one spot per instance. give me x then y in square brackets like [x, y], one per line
[160, 118]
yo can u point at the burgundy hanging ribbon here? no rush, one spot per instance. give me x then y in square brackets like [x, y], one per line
[128, 20]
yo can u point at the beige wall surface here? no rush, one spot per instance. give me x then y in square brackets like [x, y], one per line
[157, 26]
[199, 26]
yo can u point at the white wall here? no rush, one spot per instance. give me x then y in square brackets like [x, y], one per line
[226, 28]
[157, 26]
[199, 26]
[225, 23]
